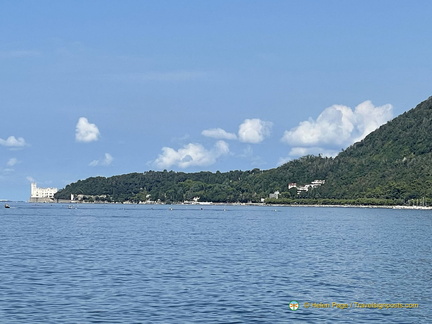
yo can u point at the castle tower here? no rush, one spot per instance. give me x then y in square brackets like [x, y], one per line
[33, 189]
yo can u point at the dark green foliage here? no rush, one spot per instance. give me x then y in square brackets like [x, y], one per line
[393, 162]
[231, 187]
[392, 165]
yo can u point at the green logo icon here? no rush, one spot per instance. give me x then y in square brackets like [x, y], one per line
[294, 305]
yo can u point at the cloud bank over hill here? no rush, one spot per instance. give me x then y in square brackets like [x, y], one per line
[336, 128]
[254, 130]
[191, 155]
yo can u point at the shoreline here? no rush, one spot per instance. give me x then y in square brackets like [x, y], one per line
[358, 206]
[203, 204]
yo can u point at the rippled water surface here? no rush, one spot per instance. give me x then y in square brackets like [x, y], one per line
[218, 264]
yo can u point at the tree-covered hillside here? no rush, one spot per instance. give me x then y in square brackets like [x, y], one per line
[393, 163]
[233, 186]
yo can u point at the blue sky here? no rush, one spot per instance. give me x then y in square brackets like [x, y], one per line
[92, 88]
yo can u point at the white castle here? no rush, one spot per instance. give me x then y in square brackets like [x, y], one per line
[41, 194]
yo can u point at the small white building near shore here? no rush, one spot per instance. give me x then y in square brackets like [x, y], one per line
[41, 194]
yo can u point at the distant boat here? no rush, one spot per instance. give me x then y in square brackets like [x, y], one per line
[7, 206]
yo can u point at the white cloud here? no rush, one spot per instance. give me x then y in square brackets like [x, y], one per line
[254, 130]
[12, 162]
[86, 132]
[370, 118]
[219, 133]
[12, 141]
[339, 126]
[191, 155]
[107, 160]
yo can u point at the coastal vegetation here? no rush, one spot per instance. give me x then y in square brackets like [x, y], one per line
[391, 166]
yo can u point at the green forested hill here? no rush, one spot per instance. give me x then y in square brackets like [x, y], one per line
[392, 164]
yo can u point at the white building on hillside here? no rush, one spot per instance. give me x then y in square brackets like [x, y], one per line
[275, 195]
[306, 187]
[41, 194]
[292, 185]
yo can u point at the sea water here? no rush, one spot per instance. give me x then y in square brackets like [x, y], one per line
[214, 264]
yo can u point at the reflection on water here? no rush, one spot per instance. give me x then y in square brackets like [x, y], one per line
[229, 264]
